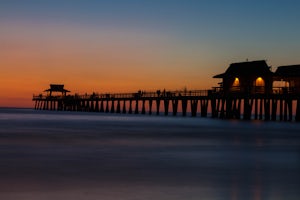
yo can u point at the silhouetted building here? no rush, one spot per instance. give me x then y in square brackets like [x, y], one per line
[56, 88]
[247, 77]
[289, 76]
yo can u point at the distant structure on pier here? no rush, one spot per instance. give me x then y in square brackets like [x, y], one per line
[56, 88]
[290, 75]
[249, 90]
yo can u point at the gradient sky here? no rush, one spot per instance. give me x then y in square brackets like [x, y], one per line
[127, 45]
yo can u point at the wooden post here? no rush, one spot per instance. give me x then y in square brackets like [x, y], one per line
[118, 107]
[222, 114]
[150, 106]
[228, 108]
[256, 108]
[261, 108]
[136, 107]
[213, 104]
[281, 109]
[184, 106]
[174, 106]
[44, 106]
[194, 105]
[285, 110]
[204, 108]
[297, 118]
[166, 106]
[130, 107]
[290, 109]
[91, 105]
[238, 109]
[143, 107]
[51, 105]
[97, 105]
[107, 106]
[102, 106]
[274, 109]
[267, 109]
[124, 107]
[157, 105]
[247, 109]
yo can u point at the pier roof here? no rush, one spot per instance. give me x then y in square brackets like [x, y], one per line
[56, 88]
[288, 71]
[246, 69]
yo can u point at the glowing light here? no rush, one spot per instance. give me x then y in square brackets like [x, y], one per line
[236, 82]
[259, 82]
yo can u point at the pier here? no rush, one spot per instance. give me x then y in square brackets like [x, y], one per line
[203, 103]
[247, 92]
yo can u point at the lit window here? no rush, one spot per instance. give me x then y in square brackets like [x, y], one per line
[236, 82]
[259, 82]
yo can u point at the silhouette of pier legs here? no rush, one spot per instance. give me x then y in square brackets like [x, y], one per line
[273, 107]
[150, 106]
[297, 118]
[124, 107]
[166, 106]
[184, 106]
[175, 106]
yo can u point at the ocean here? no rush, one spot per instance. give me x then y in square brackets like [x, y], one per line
[83, 156]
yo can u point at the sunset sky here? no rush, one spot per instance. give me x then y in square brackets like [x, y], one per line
[128, 45]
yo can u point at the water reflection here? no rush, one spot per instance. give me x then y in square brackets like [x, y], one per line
[103, 157]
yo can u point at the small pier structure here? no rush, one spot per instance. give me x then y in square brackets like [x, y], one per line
[249, 91]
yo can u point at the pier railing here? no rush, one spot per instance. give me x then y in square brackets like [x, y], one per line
[139, 94]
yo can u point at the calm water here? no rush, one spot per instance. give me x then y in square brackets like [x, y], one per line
[64, 155]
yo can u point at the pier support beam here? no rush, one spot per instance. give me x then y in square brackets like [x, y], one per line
[214, 109]
[130, 107]
[222, 112]
[297, 118]
[118, 107]
[124, 107]
[157, 106]
[166, 106]
[107, 106]
[174, 106]
[247, 109]
[274, 109]
[112, 109]
[267, 109]
[194, 106]
[102, 106]
[290, 108]
[143, 107]
[184, 106]
[97, 106]
[136, 107]
[150, 106]
[256, 108]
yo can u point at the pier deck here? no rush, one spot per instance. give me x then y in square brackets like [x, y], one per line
[278, 105]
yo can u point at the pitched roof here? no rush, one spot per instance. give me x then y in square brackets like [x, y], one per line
[288, 71]
[246, 68]
[56, 88]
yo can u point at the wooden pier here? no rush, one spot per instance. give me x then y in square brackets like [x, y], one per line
[247, 91]
[203, 103]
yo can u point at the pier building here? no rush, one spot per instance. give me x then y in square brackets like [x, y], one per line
[247, 77]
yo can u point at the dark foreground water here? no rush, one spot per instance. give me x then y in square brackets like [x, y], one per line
[63, 155]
